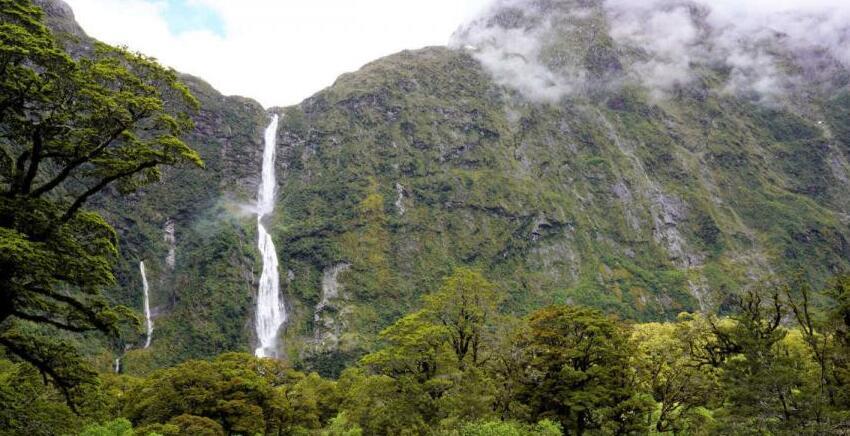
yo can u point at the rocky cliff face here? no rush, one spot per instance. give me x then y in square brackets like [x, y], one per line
[550, 149]
[542, 147]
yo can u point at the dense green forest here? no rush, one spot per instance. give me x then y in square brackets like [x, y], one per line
[457, 366]
[467, 356]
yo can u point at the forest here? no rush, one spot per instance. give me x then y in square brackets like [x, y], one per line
[458, 366]
[773, 359]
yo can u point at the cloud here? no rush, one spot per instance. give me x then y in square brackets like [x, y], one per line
[670, 34]
[768, 47]
[510, 38]
[512, 55]
[278, 52]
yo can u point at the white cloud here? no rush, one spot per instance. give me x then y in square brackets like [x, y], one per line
[536, 46]
[277, 51]
[739, 34]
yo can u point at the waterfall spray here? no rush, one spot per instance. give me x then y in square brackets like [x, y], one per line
[271, 313]
[148, 321]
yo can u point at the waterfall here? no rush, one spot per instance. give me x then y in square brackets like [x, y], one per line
[271, 313]
[148, 321]
[117, 365]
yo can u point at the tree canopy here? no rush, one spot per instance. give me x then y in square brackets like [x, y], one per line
[70, 129]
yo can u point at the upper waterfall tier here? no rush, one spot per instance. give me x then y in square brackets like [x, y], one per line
[271, 313]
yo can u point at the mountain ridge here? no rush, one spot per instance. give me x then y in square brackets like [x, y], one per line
[643, 205]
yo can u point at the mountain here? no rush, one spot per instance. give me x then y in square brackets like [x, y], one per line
[569, 154]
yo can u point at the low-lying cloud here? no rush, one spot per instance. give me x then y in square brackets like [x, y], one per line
[767, 47]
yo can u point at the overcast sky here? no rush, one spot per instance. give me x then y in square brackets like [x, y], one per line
[276, 51]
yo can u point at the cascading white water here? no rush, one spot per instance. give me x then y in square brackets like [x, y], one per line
[271, 313]
[148, 321]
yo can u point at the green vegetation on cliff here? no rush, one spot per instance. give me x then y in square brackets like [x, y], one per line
[422, 161]
[456, 258]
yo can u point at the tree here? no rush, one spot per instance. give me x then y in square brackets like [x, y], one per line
[239, 392]
[665, 369]
[509, 428]
[825, 333]
[435, 357]
[69, 129]
[189, 425]
[117, 427]
[29, 407]
[461, 314]
[466, 305]
[341, 426]
[412, 347]
[763, 378]
[382, 405]
[231, 390]
[577, 371]
[838, 322]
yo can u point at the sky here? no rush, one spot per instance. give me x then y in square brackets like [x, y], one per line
[278, 52]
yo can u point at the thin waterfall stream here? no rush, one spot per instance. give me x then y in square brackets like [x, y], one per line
[147, 306]
[116, 364]
[271, 312]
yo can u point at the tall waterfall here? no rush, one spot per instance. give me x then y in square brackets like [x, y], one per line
[271, 313]
[148, 321]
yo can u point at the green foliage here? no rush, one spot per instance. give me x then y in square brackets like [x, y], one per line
[341, 426]
[503, 428]
[466, 306]
[196, 425]
[28, 406]
[116, 427]
[382, 405]
[577, 371]
[234, 393]
[459, 316]
[561, 370]
[665, 369]
[760, 380]
[69, 128]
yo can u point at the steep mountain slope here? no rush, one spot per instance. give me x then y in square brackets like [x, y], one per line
[559, 166]
[197, 243]
[603, 192]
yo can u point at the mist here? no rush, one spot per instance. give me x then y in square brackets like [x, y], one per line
[550, 49]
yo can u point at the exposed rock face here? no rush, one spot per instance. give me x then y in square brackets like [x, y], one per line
[171, 242]
[60, 17]
[327, 325]
[399, 201]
